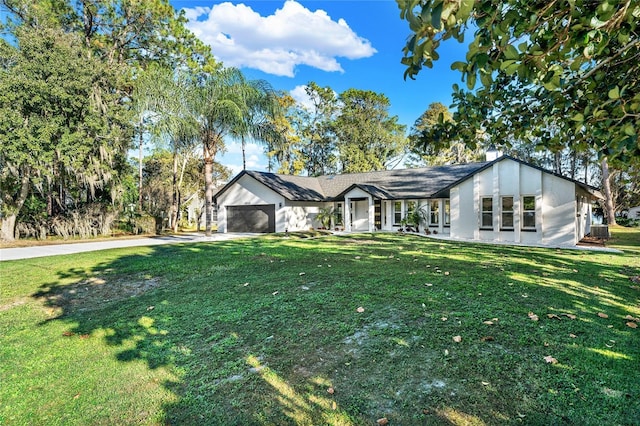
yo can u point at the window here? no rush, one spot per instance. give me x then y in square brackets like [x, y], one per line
[338, 214]
[397, 212]
[434, 212]
[447, 212]
[486, 205]
[529, 212]
[507, 213]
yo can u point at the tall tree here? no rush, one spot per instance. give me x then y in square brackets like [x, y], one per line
[54, 126]
[118, 38]
[577, 61]
[430, 145]
[258, 123]
[368, 137]
[318, 137]
[218, 104]
[286, 149]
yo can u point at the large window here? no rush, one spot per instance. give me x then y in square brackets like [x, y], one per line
[338, 214]
[529, 212]
[397, 212]
[447, 212]
[434, 212]
[486, 206]
[507, 213]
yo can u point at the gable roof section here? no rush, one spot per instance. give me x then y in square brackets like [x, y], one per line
[444, 192]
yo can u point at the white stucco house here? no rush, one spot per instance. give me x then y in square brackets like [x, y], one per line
[504, 200]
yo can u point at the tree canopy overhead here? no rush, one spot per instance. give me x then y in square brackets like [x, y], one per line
[576, 62]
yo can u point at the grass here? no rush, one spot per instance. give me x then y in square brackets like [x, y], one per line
[257, 331]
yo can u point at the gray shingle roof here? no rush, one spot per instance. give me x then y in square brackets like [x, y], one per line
[386, 184]
[427, 182]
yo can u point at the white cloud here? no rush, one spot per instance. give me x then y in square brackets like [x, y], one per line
[277, 43]
[250, 148]
[299, 93]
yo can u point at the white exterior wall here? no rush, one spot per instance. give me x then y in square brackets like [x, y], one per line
[555, 205]
[301, 216]
[634, 213]
[465, 211]
[248, 191]
[358, 216]
[558, 211]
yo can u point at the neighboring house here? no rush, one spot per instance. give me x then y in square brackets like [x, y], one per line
[634, 213]
[501, 200]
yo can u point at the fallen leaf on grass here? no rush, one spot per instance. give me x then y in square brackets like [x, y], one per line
[383, 421]
[630, 318]
[635, 279]
[68, 333]
[488, 322]
[457, 339]
[485, 383]
[553, 316]
[533, 316]
[603, 315]
[573, 336]
[444, 318]
[84, 336]
[570, 316]
[487, 339]
[331, 391]
[551, 360]
[360, 309]
[632, 324]
[302, 273]
[275, 293]
[357, 257]
[446, 273]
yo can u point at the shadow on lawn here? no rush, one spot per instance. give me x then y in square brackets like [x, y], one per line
[252, 346]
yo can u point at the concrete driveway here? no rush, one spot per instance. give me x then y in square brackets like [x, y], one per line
[59, 249]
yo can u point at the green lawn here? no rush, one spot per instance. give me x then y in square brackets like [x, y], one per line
[259, 331]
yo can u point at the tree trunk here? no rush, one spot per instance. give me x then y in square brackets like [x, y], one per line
[140, 174]
[209, 154]
[609, 208]
[8, 227]
[174, 203]
[244, 157]
[13, 207]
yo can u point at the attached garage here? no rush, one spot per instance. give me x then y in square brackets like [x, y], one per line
[256, 218]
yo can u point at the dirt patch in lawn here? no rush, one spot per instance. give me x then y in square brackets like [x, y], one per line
[92, 293]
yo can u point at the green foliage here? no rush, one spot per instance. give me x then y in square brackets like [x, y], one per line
[432, 140]
[368, 138]
[571, 63]
[324, 216]
[66, 104]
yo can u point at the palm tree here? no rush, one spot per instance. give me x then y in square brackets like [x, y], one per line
[258, 124]
[221, 107]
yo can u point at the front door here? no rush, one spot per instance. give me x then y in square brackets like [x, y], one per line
[360, 215]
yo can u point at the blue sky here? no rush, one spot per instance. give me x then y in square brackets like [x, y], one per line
[335, 43]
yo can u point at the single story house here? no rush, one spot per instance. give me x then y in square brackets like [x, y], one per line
[504, 200]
